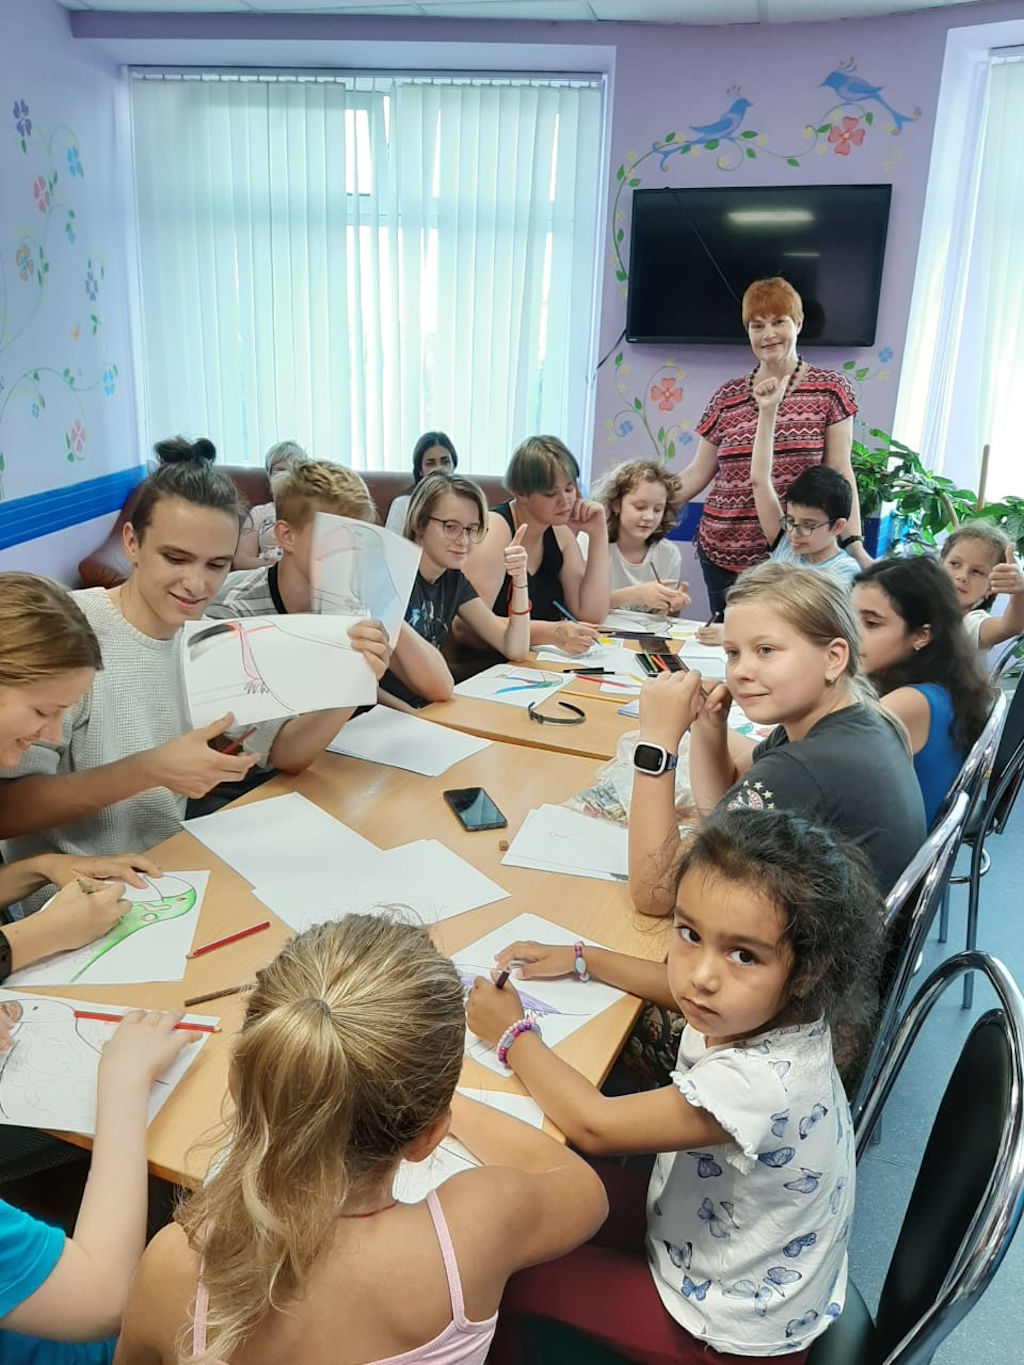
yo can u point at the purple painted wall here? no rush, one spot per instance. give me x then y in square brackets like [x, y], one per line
[67, 404]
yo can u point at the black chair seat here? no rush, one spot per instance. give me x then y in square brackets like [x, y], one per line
[851, 1340]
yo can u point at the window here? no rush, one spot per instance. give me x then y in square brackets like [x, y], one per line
[350, 261]
[960, 389]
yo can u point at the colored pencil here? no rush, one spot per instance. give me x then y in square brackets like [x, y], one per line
[116, 1019]
[236, 744]
[218, 995]
[229, 938]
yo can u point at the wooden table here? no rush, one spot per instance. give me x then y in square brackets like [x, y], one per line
[388, 806]
[596, 738]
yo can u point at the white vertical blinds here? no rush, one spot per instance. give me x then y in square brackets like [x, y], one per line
[349, 261]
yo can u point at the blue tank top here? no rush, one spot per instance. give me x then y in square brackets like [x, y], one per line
[939, 761]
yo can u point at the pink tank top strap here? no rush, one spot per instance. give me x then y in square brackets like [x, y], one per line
[451, 1267]
[199, 1318]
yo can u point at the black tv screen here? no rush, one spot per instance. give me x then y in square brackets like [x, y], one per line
[693, 252]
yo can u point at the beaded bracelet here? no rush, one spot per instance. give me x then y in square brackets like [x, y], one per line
[512, 1033]
[579, 962]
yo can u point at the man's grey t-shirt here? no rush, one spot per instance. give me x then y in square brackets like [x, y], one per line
[850, 773]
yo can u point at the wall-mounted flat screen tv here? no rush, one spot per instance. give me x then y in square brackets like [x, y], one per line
[694, 251]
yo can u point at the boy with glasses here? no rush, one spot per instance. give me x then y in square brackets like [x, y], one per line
[809, 533]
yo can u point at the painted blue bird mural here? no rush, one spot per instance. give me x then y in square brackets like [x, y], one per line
[852, 89]
[722, 130]
[723, 127]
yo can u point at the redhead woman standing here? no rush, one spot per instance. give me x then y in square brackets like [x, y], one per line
[812, 424]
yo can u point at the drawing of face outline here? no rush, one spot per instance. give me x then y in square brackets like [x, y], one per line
[178, 563]
[35, 711]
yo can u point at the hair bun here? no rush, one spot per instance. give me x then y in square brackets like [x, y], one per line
[176, 450]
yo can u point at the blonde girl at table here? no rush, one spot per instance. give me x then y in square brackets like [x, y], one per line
[49, 656]
[296, 1248]
[792, 655]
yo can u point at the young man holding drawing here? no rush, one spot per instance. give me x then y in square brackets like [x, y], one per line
[284, 586]
[127, 758]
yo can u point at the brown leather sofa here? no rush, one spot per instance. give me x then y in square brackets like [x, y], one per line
[107, 565]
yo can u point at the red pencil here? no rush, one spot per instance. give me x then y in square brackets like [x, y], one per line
[229, 938]
[116, 1019]
[236, 744]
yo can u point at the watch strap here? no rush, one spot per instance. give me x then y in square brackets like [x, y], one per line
[5, 957]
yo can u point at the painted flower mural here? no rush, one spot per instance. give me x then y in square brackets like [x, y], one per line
[666, 394]
[845, 134]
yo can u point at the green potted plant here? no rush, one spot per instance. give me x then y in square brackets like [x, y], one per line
[925, 504]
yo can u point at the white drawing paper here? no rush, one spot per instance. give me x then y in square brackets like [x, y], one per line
[512, 686]
[556, 839]
[402, 741]
[424, 880]
[265, 667]
[282, 835]
[520, 1107]
[415, 1179]
[622, 662]
[561, 1006]
[358, 569]
[48, 1073]
[709, 660]
[150, 942]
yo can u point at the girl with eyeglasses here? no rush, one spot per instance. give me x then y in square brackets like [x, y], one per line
[447, 516]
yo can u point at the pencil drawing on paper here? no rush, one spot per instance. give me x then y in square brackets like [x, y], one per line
[164, 904]
[49, 1069]
[263, 656]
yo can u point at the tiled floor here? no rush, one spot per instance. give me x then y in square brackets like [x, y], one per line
[994, 1332]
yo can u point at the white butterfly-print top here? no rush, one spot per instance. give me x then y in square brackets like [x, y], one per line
[747, 1242]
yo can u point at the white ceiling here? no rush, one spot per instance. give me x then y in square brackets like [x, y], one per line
[582, 11]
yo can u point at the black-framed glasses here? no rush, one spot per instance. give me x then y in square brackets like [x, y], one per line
[455, 530]
[804, 528]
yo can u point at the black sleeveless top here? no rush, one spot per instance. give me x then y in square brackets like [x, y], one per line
[545, 587]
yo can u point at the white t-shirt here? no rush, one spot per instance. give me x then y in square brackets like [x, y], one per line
[661, 562]
[972, 624]
[396, 513]
[747, 1242]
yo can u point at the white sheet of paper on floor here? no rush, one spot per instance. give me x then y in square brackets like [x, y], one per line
[425, 878]
[415, 1179]
[556, 839]
[398, 740]
[265, 667]
[520, 1107]
[262, 839]
[48, 1073]
[360, 569]
[512, 686]
[150, 942]
[561, 1006]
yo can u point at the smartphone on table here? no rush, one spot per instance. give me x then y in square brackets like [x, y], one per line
[474, 809]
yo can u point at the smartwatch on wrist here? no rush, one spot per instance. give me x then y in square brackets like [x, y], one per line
[5, 957]
[653, 759]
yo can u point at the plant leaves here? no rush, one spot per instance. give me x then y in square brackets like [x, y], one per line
[861, 374]
[824, 128]
[620, 174]
[751, 153]
[869, 118]
[712, 144]
[620, 275]
[638, 405]
[849, 364]
[616, 362]
[670, 137]
[749, 133]
[634, 182]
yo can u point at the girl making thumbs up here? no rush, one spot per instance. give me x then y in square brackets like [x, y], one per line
[980, 560]
[447, 516]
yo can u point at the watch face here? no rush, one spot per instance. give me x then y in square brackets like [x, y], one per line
[650, 758]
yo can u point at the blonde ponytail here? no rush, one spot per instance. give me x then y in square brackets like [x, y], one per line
[351, 1048]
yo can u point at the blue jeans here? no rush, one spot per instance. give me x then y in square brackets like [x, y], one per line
[717, 581]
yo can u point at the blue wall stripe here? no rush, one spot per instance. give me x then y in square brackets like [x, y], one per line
[41, 514]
